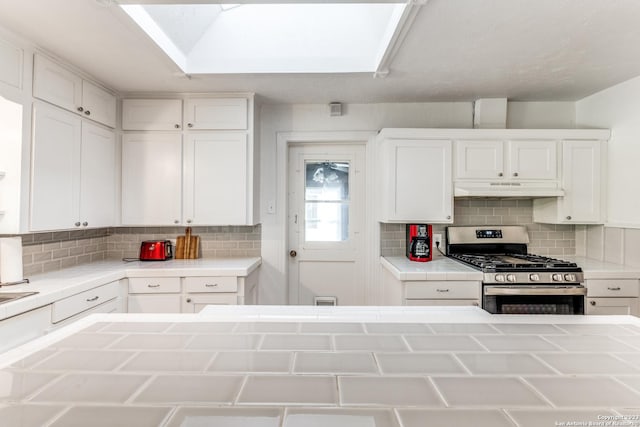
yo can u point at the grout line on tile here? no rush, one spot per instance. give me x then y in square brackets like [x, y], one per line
[240, 390]
[377, 362]
[211, 361]
[430, 329]
[142, 387]
[554, 344]
[169, 416]
[535, 391]
[406, 343]
[134, 354]
[292, 362]
[43, 387]
[59, 415]
[461, 363]
[541, 360]
[396, 414]
[473, 338]
[429, 379]
[509, 417]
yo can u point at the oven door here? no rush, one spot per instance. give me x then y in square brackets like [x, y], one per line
[534, 299]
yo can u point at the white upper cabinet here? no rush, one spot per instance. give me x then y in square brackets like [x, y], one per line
[97, 177]
[415, 178]
[215, 179]
[59, 86]
[73, 173]
[151, 114]
[216, 113]
[152, 179]
[506, 160]
[582, 177]
[98, 104]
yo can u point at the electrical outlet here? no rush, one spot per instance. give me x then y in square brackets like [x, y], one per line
[437, 239]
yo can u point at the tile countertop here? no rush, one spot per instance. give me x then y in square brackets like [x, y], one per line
[448, 269]
[327, 366]
[438, 269]
[64, 283]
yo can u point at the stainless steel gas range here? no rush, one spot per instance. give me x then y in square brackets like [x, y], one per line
[516, 282]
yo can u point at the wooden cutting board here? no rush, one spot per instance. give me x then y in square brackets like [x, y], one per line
[187, 246]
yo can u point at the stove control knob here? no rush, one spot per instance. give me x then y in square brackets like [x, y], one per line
[511, 277]
[556, 277]
[499, 277]
[534, 277]
[570, 277]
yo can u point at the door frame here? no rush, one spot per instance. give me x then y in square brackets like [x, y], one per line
[371, 227]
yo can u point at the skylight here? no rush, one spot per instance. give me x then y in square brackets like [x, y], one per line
[271, 38]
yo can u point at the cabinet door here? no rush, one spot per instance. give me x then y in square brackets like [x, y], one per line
[55, 172]
[151, 179]
[196, 302]
[216, 178]
[56, 85]
[97, 177]
[607, 306]
[151, 114]
[418, 181]
[164, 303]
[581, 161]
[533, 159]
[98, 104]
[217, 113]
[479, 159]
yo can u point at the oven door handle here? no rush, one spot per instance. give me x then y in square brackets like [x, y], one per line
[526, 290]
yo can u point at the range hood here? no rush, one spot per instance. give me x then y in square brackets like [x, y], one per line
[529, 190]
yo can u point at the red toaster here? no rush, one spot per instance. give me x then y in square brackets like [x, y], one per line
[156, 250]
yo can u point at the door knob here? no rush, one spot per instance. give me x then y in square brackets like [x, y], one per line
[293, 254]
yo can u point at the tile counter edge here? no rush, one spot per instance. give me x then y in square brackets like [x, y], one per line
[67, 282]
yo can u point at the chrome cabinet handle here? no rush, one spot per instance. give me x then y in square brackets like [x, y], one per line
[442, 290]
[293, 254]
[188, 299]
[189, 221]
[448, 216]
[176, 221]
[153, 286]
[92, 299]
[209, 285]
[617, 288]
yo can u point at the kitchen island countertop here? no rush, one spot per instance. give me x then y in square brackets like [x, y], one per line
[275, 366]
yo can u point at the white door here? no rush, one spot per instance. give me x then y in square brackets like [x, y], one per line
[326, 224]
[152, 179]
[55, 170]
[533, 159]
[479, 159]
[215, 174]
[97, 177]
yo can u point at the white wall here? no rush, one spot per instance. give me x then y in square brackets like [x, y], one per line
[358, 117]
[618, 108]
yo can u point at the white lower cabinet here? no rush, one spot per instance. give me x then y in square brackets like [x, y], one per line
[612, 296]
[190, 294]
[83, 301]
[429, 292]
[24, 327]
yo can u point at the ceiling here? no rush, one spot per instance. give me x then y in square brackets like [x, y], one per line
[455, 50]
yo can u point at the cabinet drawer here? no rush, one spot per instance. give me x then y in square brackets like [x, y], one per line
[211, 284]
[78, 303]
[613, 288]
[442, 290]
[154, 285]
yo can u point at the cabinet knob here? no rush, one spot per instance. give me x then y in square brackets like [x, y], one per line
[592, 302]
[476, 303]
[176, 126]
[77, 224]
[188, 299]
[80, 109]
[87, 112]
[568, 216]
[515, 174]
[85, 223]
[448, 216]
[189, 221]
[500, 174]
[293, 254]
[176, 222]
[190, 125]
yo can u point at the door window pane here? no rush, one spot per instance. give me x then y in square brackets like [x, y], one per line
[326, 201]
